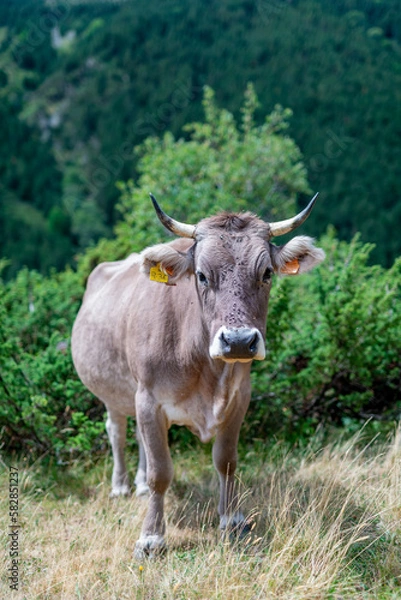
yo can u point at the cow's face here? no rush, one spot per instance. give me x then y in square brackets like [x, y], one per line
[233, 262]
[233, 270]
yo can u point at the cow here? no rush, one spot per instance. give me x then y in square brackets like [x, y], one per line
[169, 335]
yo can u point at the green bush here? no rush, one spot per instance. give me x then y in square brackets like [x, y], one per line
[333, 341]
[334, 345]
[222, 166]
[43, 405]
[333, 335]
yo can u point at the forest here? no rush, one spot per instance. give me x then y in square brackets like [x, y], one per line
[82, 83]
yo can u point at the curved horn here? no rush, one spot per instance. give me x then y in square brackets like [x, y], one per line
[282, 227]
[180, 229]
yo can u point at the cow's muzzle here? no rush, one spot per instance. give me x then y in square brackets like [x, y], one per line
[238, 344]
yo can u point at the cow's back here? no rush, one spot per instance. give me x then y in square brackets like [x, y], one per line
[104, 272]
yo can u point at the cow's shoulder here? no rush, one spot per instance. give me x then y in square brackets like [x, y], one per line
[104, 272]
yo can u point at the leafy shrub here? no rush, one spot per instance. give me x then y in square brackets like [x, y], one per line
[43, 405]
[334, 341]
[333, 336]
[222, 166]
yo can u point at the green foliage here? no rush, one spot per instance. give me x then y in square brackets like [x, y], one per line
[333, 336]
[72, 112]
[43, 405]
[222, 166]
[334, 342]
[34, 228]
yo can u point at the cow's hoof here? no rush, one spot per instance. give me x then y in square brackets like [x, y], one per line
[235, 528]
[142, 489]
[120, 490]
[149, 546]
[240, 532]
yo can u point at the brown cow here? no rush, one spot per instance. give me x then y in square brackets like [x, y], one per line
[182, 352]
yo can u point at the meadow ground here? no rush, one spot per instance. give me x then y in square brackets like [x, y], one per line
[326, 525]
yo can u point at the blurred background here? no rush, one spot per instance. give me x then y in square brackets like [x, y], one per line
[82, 82]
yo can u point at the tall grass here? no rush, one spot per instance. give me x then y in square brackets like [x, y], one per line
[326, 525]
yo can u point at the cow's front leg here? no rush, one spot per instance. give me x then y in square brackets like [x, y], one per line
[116, 426]
[152, 426]
[142, 488]
[225, 457]
[225, 461]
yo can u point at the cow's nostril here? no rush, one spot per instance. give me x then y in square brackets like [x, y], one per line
[226, 342]
[253, 346]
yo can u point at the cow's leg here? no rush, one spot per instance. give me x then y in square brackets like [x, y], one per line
[225, 461]
[116, 426]
[153, 430]
[141, 484]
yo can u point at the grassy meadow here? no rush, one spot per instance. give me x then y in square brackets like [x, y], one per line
[326, 525]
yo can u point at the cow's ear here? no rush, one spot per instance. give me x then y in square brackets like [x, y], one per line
[297, 256]
[165, 264]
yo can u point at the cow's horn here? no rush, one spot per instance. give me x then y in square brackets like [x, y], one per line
[180, 229]
[282, 227]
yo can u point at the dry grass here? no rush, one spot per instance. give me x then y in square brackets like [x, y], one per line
[327, 526]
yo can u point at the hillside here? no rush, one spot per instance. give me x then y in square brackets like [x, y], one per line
[82, 83]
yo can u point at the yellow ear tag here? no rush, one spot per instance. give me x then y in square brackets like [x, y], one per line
[291, 268]
[156, 274]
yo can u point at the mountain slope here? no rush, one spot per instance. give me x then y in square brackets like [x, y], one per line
[81, 83]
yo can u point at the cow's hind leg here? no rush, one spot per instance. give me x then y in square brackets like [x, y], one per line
[141, 483]
[116, 426]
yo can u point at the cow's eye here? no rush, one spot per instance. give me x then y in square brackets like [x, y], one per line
[267, 275]
[202, 278]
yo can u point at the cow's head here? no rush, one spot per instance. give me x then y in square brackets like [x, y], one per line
[233, 261]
